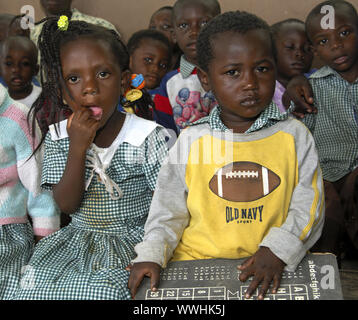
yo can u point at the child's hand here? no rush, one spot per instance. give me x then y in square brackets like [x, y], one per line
[265, 267]
[299, 91]
[137, 273]
[82, 128]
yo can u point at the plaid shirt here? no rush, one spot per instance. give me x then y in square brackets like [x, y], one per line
[335, 126]
[186, 68]
[270, 116]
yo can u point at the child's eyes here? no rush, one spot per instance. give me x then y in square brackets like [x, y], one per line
[344, 33]
[103, 74]
[8, 63]
[148, 60]
[262, 69]
[26, 63]
[203, 23]
[232, 73]
[183, 25]
[322, 42]
[163, 66]
[166, 27]
[72, 79]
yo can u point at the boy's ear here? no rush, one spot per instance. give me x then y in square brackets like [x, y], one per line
[204, 79]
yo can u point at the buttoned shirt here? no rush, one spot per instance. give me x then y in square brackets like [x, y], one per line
[335, 126]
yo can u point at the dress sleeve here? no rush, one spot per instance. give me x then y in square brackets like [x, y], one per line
[305, 218]
[54, 162]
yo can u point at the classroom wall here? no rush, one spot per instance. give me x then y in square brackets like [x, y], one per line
[131, 15]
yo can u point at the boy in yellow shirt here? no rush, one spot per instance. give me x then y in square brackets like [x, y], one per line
[244, 181]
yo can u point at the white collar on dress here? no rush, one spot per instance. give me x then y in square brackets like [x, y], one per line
[134, 130]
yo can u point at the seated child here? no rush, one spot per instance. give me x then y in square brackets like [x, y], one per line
[292, 52]
[161, 20]
[20, 194]
[335, 125]
[215, 197]
[180, 93]
[150, 54]
[101, 165]
[18, 64]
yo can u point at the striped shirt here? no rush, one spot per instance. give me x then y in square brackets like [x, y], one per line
[335, 126]
[20, 172]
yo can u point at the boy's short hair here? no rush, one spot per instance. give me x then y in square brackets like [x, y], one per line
[335, 4]
[214, 4]
[21, 41]
[135, 40]
[235, 21]
[276, 28]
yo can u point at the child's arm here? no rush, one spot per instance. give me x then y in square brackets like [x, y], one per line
[304, 221]
[40, 203]
[81, 129]
[299, 91]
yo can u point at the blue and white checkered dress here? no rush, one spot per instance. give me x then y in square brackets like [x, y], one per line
[87, 258]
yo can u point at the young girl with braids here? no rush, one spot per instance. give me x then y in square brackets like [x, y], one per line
[101, 165]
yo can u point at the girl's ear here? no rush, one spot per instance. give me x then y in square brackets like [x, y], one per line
[204, 79]
[126, 80]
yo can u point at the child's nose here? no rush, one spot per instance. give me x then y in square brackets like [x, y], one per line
[90, 87]
[300, 53]
[249, 81]
[15, 68]
[336, 43]
[194, 30]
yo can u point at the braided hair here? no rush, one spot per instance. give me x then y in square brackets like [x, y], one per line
[49, 107]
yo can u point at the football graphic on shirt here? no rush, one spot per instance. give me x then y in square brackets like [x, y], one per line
[243, 182]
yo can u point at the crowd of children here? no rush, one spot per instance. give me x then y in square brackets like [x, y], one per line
[143, 146]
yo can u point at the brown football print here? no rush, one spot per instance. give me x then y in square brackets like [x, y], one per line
[243, 182]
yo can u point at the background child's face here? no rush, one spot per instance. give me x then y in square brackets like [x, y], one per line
[151, 59]
[18, 66]
[294, 55]
[337, 48]
[55, 7]
[162, 21]
[242, 73]
[92, 75]
[188, 21]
